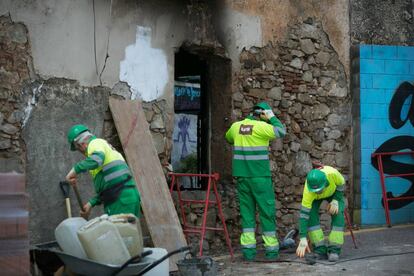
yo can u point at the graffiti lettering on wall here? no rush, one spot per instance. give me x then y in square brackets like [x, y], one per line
[404, 93]
[186, 96]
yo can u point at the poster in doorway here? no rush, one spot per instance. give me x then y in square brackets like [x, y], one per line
[184, 152]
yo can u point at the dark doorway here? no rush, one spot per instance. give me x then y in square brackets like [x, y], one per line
[190, 134]
[202, 107]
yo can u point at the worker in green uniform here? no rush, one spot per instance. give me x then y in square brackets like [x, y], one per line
[113, 181]
[251, 167]
[325, 183]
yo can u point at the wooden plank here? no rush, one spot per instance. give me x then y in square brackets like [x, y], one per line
[158, 207]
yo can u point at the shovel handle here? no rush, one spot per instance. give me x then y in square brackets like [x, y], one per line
[78, 197]
[68, 209]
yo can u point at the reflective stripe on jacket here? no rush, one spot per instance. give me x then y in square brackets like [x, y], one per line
[250, 139]
[113, 166]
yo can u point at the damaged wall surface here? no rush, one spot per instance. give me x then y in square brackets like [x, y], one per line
[15, 71]
[293, 54]
[59, 105]
[304, 81]
[256, 23]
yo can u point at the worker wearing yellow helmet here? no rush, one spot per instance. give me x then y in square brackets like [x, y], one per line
[325, 183]
[113, 180]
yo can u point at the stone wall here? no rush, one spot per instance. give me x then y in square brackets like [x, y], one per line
[15, 64]
[302, 78]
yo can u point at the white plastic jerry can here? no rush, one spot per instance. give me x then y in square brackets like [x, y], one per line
[129, 228]
[67, 238]
[102, 242]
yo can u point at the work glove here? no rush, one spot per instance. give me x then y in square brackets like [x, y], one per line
[267, 114]
[71, 177]
[86, 210]
[302, 248]
[333, 207]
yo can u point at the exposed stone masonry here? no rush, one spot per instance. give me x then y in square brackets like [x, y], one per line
[305, 83]
[15, 61]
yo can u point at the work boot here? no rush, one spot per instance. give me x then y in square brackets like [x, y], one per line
[272, 256]
[249, 254]
[249, 258]
[333, 257]
[316, 256]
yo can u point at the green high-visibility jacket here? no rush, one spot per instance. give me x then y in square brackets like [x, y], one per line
[250, 139]
[335, 189]
[106, 166]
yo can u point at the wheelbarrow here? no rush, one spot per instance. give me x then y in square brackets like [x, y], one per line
[137, 265]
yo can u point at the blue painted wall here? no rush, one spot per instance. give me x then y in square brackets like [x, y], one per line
[382, 70]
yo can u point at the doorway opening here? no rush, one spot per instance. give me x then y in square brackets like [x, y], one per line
[202, 88]
[190, 134]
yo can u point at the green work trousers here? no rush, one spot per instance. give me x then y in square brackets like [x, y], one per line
[336, 236]
[252, 192]
[128, 202]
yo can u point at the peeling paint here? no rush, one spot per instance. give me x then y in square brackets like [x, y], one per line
[144, 68]
[32, 102]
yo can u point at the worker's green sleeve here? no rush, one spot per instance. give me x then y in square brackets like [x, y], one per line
[95, 201]
[304, 214]
[340, 186]
[338, 195]
[92, 162]
[280, 130]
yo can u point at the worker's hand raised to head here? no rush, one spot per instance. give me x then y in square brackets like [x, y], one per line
[86, 210]
[71, 177]
[303, 247]
[268, 113]
[333, 207]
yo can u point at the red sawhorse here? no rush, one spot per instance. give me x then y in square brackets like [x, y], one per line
[385, 198]
[211, 184]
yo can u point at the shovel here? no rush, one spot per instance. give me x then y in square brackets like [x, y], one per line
[78, 197]
[64, 186]
[65, 190]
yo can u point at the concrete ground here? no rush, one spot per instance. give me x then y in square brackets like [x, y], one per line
[398, 240]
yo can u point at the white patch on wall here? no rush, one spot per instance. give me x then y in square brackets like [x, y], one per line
[32, 102]
[144, 68]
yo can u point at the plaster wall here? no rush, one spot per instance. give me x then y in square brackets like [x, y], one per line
[263, 21]
[63, 39]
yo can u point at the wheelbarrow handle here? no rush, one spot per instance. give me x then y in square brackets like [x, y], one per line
[154, 264]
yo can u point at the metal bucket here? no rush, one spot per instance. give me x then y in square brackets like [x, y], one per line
[202, 266]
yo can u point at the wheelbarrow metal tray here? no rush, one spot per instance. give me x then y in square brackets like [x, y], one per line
[90, 267]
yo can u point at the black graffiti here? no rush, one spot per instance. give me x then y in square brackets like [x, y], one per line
[404, 91]
[398, 143]
[393, 167]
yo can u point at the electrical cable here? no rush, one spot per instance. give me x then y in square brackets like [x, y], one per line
[107, 43]
[94, 36]
[346, 260]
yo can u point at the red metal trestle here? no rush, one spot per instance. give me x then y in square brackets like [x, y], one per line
[211, 184]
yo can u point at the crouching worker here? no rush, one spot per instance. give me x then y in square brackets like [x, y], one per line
[325, 183]
[113, 181]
